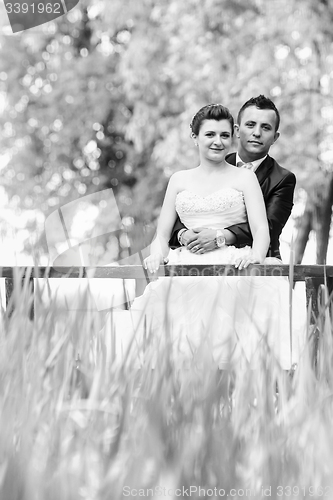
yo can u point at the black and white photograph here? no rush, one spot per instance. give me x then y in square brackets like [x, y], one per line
[166, 250]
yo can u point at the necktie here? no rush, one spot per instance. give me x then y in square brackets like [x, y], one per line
[241, 164]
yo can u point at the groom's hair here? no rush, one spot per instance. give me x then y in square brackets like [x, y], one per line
[211, 112]
[260, 102]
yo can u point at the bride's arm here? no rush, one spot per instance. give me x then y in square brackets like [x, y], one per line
[159, 248]
[257, 217]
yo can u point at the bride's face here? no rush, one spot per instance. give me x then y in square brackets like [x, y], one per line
[214, 140]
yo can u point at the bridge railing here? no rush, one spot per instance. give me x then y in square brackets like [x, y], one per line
[313, 275]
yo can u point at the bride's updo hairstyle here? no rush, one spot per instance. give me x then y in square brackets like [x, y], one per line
[211, 112]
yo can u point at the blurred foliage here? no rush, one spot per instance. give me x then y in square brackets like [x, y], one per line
[102, 97]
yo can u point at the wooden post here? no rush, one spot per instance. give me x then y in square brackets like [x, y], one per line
[9, 288]
[32, 293]
[312, 286]
[311, 290]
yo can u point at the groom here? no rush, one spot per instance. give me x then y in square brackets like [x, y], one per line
[256, 130]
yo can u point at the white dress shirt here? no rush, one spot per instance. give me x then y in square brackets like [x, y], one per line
[255, 164]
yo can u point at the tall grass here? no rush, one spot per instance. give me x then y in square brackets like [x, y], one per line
[77, 423]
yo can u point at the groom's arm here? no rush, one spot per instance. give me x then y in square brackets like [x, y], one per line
[173, 242]
[204, 239]
[278, 208]
[242, 234]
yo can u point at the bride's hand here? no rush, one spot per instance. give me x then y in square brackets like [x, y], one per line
[250, 258]
[153, 261]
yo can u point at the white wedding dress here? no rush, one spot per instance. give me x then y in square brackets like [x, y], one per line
[225, 317]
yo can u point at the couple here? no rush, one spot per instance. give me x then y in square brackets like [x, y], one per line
[239, 221]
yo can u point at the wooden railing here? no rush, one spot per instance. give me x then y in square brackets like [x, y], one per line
[313, 275]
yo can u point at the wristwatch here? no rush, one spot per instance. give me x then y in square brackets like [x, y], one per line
[220, 238]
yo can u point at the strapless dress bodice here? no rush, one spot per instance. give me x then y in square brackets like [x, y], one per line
[218, 210]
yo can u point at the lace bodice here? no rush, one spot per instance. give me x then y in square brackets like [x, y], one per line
[218, 210]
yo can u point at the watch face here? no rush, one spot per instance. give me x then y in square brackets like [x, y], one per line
[220, 240]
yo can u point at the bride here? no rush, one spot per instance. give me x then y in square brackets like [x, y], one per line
[227, 317]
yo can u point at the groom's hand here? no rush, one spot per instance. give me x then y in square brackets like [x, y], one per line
[202, 240]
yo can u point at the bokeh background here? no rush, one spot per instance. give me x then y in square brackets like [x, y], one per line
[102, 98]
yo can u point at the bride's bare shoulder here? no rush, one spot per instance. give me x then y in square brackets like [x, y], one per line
[243, 178]
[247, 179]
[244, 173]
[179, 179]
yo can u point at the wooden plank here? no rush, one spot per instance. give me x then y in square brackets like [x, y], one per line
[300, 273]
[137, 272]
[313, 275]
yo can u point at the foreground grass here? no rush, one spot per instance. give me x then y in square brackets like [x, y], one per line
[75, 423]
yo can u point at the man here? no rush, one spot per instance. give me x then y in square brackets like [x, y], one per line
[256, 130]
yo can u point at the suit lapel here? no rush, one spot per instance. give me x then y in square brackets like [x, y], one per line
[262, 172]
[231, 158]
[264, 169]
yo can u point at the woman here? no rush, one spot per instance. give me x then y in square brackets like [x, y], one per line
[228, 317]
[212, 130]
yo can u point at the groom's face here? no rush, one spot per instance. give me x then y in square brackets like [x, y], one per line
[256, 133]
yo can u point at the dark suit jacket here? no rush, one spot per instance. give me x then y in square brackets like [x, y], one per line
[277, 185]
